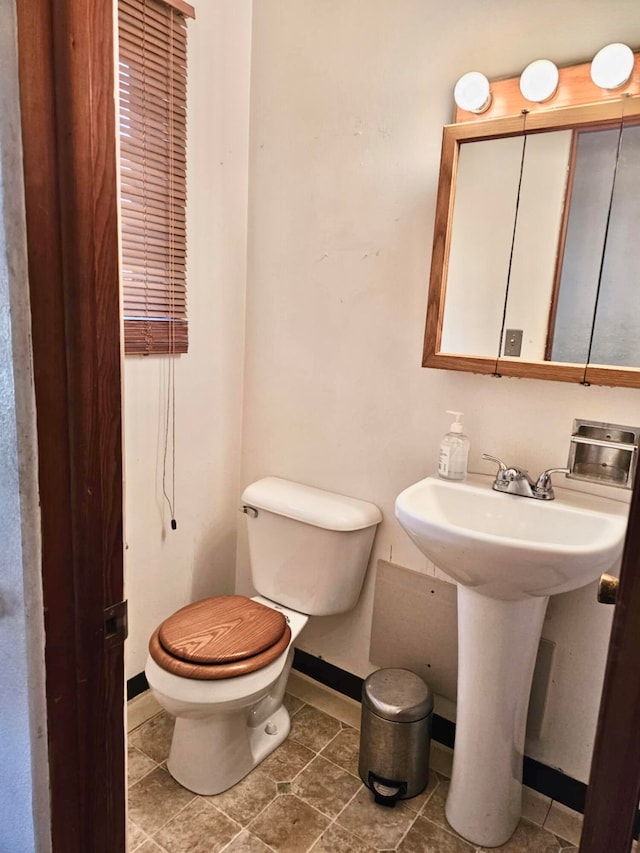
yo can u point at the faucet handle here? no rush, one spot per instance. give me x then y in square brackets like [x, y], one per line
[544, 486]
[501, 466]
[504, 474]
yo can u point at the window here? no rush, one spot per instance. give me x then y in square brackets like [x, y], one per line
[153, 78]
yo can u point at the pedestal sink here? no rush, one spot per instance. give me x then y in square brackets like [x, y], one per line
[508, 555]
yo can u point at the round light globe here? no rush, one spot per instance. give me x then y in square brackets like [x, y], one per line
[612, 66]
[539, 81]
[472, 92]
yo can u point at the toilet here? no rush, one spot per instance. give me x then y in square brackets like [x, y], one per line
[220, 665]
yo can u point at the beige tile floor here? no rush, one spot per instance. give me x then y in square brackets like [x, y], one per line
[306, 796]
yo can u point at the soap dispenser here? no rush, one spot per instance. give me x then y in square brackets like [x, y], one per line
[454, 451]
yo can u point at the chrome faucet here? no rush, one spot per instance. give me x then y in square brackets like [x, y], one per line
[516, 481]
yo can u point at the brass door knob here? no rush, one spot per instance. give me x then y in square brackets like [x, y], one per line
[607, 589]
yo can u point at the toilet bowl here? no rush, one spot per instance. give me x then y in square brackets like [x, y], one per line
[221, 665]
[225, 727]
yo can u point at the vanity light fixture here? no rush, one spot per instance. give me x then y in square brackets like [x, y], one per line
[612, 66]
[472, 92]
[539, 81]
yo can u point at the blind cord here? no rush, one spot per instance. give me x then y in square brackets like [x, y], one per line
[171, 383]
[170, 415]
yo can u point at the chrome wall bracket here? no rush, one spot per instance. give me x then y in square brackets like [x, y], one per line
[603, 453]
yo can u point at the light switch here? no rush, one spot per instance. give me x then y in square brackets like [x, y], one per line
[513, 342]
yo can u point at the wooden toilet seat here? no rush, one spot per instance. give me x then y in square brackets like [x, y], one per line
[221, 637]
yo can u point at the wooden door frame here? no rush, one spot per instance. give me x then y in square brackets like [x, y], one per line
[614, 783]
[68, 122]
[66, 68]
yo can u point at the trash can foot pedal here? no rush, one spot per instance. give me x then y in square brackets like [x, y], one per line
[386, 792]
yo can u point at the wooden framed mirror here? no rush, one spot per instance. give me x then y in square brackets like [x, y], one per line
[536, 255]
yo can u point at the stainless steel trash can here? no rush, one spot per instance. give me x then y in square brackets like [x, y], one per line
[395, 736]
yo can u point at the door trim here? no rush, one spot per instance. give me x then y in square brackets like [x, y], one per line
[66, 69]
[614, 783]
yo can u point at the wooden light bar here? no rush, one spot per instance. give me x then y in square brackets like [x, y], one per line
[575, 88]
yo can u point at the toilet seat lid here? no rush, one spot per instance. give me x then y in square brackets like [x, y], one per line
[221, 630]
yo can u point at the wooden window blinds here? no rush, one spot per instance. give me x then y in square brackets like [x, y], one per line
[152, 80]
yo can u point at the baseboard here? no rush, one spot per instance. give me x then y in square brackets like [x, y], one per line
[136, 685]
[546, 780]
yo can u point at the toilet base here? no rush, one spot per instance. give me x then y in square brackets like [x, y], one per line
[210, 755]
[224, 728]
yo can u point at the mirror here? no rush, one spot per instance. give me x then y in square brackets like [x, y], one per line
[536, 259]
[603, 213]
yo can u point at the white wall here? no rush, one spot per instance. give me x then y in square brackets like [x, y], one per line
[24, 789]
[165, 569]
[348, 99]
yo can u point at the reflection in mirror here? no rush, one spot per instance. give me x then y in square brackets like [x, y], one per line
[481, 235]
[543, 194]
[488, 173]
[616, 333]
[592, 173]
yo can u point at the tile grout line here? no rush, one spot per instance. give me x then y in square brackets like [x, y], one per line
[255, 816]
[144, 840]
[339, 766]
[144, 722]
[315, 754]
[205, 805]
[157, 843]
[416, 815]
[419, 814]
[362, 786]
[335, 819]
[180, 810]
[144, 775]
[536, 823]
[335, 764]
[332, 820]
[322, 814]
[247, 830]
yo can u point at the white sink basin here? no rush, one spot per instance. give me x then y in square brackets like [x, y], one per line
[511, 547]
[508, 554]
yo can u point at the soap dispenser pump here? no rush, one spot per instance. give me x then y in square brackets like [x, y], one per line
[454, 451]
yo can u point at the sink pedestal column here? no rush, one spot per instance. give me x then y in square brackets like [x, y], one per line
[497, 648]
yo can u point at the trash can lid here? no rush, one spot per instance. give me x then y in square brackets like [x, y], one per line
[397, 694]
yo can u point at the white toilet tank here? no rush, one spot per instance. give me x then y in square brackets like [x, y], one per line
[309, 548]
